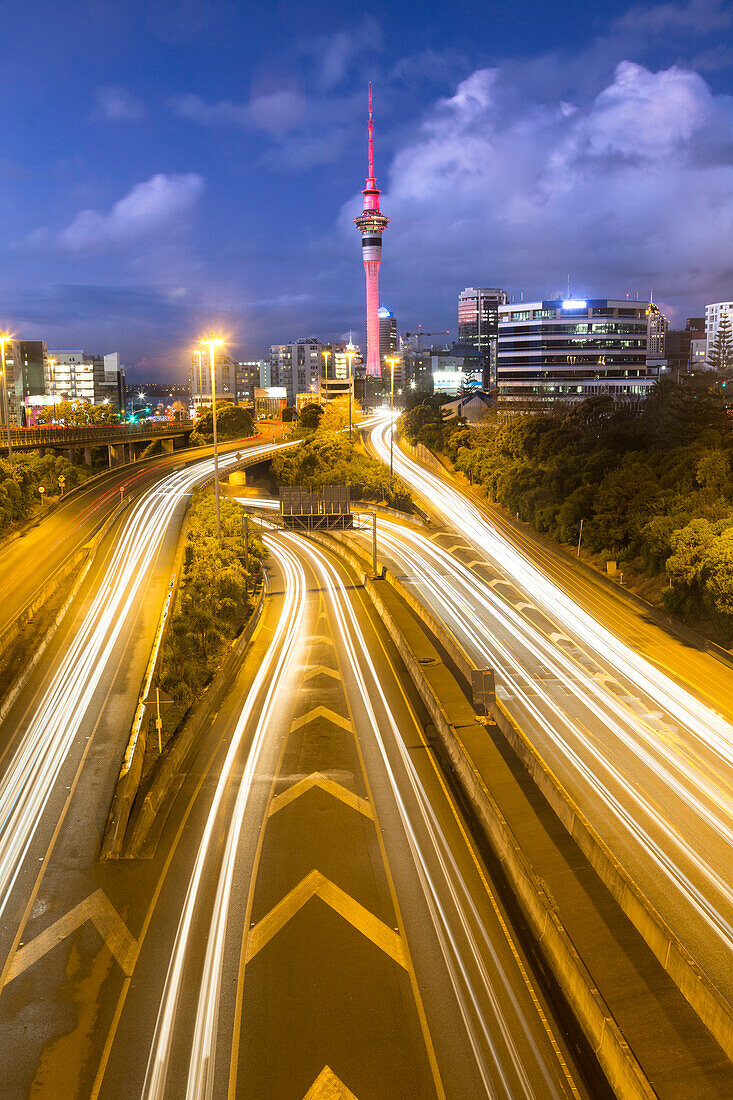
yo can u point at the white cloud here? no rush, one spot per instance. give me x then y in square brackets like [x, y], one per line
[636, 184]
[117, 104]
[275, 112]
[150, 210]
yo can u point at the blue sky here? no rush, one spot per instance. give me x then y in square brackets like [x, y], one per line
[168, 167]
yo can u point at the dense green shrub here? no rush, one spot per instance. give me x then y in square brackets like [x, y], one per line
[19, 482]
[651, 481]
[214, 600]
[328, 458]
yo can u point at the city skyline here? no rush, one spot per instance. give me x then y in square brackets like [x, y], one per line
[156, 199]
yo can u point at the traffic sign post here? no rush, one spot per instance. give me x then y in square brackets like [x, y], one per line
[42, 490]
[484, 690]
[161, 703]
[62, 482]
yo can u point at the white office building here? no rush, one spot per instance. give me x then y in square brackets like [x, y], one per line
[565, 350]
[713, 316]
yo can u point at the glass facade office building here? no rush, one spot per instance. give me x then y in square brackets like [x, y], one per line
[566, 350]
[478, 324]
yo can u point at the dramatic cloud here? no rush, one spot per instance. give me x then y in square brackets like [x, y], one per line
[117, 104]
[633, 187]
[150, 210]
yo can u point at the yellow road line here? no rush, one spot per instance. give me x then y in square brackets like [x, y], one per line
[313, 885]
[327, 1086]
[96, 908]
[321, 712]
[321, 670]
[329, 786]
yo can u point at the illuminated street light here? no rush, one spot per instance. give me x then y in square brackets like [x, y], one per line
[4, 337]
[350, 353]
[214, 342]
[391, 359]
[325, 353]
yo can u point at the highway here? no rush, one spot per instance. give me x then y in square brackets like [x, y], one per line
[648, 761]
[38, 735]
[327, 923]
[55, 537]
[315, 911]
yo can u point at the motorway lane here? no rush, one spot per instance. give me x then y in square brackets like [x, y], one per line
[328, 915]
[648, 763]
[35, 751]
[58, 535]
[57, 1009]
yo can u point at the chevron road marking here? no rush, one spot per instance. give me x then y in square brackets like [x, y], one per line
[98, 909]
[329, 786]
[313, 885]
[318, 669]
[477, 561]
[327, 1086]
[321, 712]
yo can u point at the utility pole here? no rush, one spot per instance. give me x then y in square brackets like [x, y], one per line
[3, 340]
[580, 535]
[213, 342]
[246, 553]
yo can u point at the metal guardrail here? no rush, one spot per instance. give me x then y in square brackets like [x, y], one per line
[91, 433]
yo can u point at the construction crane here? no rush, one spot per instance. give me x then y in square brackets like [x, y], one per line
[420, 334]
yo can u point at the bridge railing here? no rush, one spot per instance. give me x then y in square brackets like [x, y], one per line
[54, 435]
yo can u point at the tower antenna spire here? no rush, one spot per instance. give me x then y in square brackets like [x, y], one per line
[371, 135]
[371, 223]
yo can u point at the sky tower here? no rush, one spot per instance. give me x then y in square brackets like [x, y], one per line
[371, 223]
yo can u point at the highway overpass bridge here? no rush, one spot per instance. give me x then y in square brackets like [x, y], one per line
[124, 442]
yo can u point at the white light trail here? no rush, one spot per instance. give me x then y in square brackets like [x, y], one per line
[465, 945]
[276, 666]
[33, 769]
[689, 765]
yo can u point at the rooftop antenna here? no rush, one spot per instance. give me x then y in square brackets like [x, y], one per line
[568, 286]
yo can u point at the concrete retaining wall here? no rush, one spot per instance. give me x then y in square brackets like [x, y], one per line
[176, 751]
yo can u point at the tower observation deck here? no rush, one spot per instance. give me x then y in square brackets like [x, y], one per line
[371, 223]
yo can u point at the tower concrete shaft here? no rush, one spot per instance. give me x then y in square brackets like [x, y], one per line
[371, 223]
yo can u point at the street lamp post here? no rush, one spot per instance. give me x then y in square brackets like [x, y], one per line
[213, 342]
[52, 371]
[391, 360]
[325, 353]
[4, 337]
[199, 353]
[350, 353]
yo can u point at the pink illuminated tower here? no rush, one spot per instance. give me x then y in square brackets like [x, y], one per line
[371, 223]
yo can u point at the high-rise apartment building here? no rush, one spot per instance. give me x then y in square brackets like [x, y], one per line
[478, 323]
[295, 367]
[387, 338]
[235, 382]
[77, 376]
[713, 316]
[656, 326]
[565, 350]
